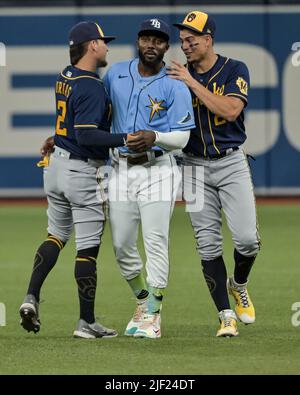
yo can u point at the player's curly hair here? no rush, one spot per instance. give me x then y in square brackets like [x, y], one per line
[77, 52]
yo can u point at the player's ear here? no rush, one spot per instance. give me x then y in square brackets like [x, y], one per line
[94, 44]
[91, 45]
[209, 40]
[167, 46]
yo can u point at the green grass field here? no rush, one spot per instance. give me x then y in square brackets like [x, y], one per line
[188, 345]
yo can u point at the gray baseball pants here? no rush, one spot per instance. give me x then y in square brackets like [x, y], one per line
[226, 184]
[143, 194]
[74, 199]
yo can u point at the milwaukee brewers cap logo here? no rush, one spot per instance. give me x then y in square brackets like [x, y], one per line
[191, 17]
[243, 85]
[196, 21]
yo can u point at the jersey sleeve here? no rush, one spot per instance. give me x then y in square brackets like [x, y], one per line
[180, 110]
[89, 104]
[238, 82]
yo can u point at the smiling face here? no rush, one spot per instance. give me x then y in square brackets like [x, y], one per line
[152, 49]
[196, 47]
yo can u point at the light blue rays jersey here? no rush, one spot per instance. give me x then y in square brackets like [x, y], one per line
[147, 103]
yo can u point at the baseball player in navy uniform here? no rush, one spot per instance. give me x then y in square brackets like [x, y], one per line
[219, 87]
[83, 113]
[143, 185]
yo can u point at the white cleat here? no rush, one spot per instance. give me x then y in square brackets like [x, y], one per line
[150, 327]
[137, 318]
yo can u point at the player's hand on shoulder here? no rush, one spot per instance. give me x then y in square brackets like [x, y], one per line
[48, 146]
[179, 72]
[141, 140]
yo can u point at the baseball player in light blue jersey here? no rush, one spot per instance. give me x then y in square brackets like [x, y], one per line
[144, 183]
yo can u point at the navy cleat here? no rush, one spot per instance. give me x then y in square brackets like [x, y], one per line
[29, 312]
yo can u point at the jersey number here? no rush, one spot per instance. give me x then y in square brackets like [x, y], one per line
[61, 105]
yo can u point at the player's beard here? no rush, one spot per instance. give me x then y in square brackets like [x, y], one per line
[102, 63]
[156, 61]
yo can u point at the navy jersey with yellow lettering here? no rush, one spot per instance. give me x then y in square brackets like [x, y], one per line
[82, 102]
[213, 134]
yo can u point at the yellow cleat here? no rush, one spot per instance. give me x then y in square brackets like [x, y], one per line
[243, 306]
[228, 324]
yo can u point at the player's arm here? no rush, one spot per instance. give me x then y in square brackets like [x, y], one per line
[94, 137]
[88, 138]
[90, 106]
[144, 139]
[229, 108]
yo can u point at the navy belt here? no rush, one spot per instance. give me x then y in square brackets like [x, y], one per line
[76, 157]
[157, 154]
[222, 154]
[139, 160]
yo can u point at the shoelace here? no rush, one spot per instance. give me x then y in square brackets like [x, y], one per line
[227, 321]
[244, 297]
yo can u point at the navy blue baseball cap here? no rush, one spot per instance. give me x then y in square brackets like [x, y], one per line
[87, 31]
[198, 22]
[158, 26]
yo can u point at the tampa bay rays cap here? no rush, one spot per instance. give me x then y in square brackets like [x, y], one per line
[199, 22]
[150, 26]
[87, 31]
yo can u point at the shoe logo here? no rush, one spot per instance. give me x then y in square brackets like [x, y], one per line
[123, 76]
[156, 331]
